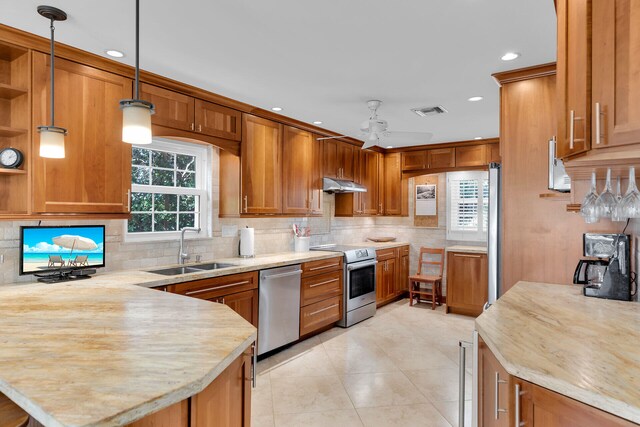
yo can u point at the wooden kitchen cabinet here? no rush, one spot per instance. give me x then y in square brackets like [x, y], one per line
[573, 77]
[238, 291]
[226, 402]
[174, 110]
[316, 184]
[367, 203]
[494, 153]
[415, 160]
[440, 158]
[261, 166]
[178, 111]
[386, 275]
[472, 155]
[300, 172]
[95, 175]
[340, 159]
[615, 66]
[402, 284]
[395, 193]
[467, 282]
[321, 295]
[537, 406]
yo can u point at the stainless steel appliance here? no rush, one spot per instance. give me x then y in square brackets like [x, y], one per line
[359, 282]
[494, 253]
[333, 185]
[607, 273]
[558, 178]
[279, 307]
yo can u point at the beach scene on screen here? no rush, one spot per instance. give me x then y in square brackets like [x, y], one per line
[70, 247]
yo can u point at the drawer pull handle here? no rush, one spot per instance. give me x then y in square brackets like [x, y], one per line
[323, 309]
[466, 256]
[322, 267]
[323, 283]
[199, 291]
[497, 409]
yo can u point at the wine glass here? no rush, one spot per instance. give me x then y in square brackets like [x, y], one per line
[631, 201]
[588, 208]
[617, 213]
[607, 200]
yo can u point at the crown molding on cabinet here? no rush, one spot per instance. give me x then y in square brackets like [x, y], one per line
[526, 73]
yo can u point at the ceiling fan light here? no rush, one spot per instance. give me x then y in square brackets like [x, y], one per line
[136, 121]
[52, 142]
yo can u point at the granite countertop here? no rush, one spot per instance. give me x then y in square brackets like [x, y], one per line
[87, 354]
[584, 348]
[379, 245]
[472, 249]
[145, 278]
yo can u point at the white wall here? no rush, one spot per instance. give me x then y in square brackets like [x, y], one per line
[272, 235]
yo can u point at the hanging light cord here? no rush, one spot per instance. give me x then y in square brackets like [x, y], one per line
[53, 28]
[137, 49]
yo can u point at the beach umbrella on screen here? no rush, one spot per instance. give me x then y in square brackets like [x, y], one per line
[73, 242]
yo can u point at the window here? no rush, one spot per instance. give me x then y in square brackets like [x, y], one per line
[170, 189]
[467, 205]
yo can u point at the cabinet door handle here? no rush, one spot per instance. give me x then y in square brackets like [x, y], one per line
[199, 291]
[246, 203]
[322, 267]
[323, 283]
[199, 128]
[498, 410]
[380, 207]
[254, 362]
[323, 309]
[519, 393]
[193, 126]
[598, 115]
[572, 118]
[466, 256]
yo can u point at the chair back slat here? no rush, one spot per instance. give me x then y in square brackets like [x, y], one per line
[431, 251]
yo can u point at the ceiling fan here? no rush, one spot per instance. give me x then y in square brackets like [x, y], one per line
[374, 131]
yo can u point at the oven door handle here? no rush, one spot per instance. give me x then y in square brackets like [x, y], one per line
[357, 266]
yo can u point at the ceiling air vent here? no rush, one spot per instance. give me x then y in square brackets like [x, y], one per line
[429, 111]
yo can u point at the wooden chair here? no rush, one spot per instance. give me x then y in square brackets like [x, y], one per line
[433, 280]
[10, 414]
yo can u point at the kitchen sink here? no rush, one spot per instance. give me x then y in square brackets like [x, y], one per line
[175, 271]
[212, 266]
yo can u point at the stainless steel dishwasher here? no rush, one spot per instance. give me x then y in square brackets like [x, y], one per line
[279, 307]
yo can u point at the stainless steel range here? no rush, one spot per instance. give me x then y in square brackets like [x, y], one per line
[359, 282]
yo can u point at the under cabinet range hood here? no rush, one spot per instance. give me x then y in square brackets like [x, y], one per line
[331, 185]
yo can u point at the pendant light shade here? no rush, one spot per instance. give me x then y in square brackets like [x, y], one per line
[52, 141]
[52, 137]
[136, 121]
[136, 113]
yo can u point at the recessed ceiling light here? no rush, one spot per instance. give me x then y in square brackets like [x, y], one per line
[389, 146]
[317, 122]
[276, 108]
[114, 53]
[476, 98]
[510, 56]
[478, 137]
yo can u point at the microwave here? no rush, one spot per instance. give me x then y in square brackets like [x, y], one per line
[558, 178]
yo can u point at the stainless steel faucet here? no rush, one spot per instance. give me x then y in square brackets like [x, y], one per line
[181, 254]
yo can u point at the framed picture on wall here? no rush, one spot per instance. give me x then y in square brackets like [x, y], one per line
[426, 200]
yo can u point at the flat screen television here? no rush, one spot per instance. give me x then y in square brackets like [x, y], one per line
[45, 251]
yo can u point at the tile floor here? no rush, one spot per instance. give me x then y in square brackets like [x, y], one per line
[399, 368]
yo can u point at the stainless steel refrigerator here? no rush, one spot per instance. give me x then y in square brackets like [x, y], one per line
[494, 254]
[494, 234]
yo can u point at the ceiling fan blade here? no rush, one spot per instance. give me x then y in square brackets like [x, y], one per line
[369, 144]
[407, 137]
[332, 137]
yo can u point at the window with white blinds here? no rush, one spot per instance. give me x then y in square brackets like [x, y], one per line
[467, 205]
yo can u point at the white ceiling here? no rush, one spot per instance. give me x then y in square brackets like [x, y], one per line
[322, 59]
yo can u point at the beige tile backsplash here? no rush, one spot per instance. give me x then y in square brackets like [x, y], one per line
[272, 235]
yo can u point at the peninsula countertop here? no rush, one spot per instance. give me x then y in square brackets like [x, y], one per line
[87, 354]
[584, 348]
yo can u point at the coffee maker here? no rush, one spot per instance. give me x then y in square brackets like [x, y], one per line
[607, 272]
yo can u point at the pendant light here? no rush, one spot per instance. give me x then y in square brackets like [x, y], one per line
[52, 137]
[136, 113]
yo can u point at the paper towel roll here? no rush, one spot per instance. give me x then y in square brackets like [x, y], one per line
[247, 241]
